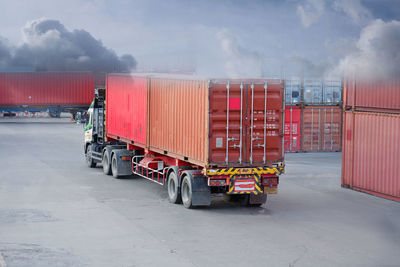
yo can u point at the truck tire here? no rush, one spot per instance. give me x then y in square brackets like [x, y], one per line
[114, 167]
[174, 194]
[195, 190]
[89, 160]
[186, 192]
[106, 163]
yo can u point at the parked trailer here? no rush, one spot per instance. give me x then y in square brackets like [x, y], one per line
[55, 92]
[197, 136]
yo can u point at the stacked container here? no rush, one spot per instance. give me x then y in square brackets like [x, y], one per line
[371, 130]
[313, 118]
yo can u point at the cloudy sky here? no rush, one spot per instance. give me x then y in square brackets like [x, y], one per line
[222, 37]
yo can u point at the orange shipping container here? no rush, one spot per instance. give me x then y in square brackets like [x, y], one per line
[375, 96]
[371, 153]
[321, 129]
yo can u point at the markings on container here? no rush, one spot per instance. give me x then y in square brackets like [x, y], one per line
[219, 142]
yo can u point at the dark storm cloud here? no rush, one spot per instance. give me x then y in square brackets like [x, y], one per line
[5, 55]
[49, 46]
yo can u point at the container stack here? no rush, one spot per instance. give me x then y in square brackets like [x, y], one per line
[371, 143]
[313, 118]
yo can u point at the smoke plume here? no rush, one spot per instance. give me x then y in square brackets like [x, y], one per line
[239, 62]
[49, 46]
[377, 55]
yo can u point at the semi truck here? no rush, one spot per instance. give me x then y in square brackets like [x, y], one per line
[197, 137]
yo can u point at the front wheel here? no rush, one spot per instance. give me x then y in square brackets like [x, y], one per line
[89, 160]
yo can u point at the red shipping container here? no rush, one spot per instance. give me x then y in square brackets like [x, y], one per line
[126, 116]
[292, 129]
[46, 88]
[208, 123]
[371, 153]
[321, 128]
[375, 96]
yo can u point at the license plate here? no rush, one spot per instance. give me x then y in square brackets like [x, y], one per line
[270, 190]
[244, 185]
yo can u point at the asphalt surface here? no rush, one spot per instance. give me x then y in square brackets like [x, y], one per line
[55, 211]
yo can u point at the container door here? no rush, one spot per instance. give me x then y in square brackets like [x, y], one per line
[312, 117]
[245, 123]
[292, 128]
[331, 131]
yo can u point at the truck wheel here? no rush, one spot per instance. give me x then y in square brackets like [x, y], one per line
[186, 192]
[106, 164]
[114, 167]
[173, 188]
[89, 159]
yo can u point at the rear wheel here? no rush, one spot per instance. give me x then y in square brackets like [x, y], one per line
[174, 195]
[114, 167]
[106, 164]
[89, 160]
[186, 192]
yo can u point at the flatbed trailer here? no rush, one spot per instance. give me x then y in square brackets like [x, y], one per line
[196, 136]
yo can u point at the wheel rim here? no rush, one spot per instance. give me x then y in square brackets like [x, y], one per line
[185, 192]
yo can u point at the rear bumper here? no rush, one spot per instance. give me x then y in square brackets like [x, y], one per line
[255, 181]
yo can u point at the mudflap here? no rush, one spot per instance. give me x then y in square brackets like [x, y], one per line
[124, 166]
[201, 195]
[257, 199]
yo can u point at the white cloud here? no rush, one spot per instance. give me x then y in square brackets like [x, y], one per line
[377, 55]
[239, 62]
[352, 8]
[310, 11]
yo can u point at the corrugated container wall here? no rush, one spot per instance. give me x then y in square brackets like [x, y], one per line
[178, 118]
[375, 96]
[371, 153]
[126, 105]
[321, 129]
[46, 88]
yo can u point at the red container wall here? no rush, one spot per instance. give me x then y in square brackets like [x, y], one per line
[321, 129]
[126, 105]
[371, 153]
[46, 88]
[237, 116]
[178, 118]
[382, 96]
[292, 129]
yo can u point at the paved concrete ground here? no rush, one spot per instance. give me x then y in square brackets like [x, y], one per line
[54, 211]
